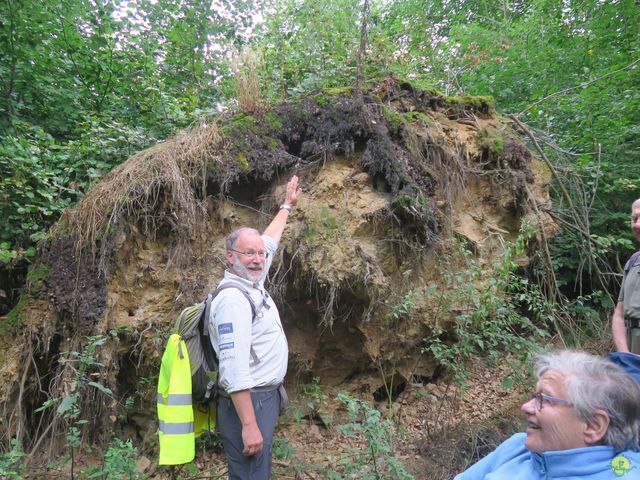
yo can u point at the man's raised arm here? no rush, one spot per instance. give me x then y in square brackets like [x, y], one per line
[276, 227]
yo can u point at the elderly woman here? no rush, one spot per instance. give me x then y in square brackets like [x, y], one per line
[583, 423]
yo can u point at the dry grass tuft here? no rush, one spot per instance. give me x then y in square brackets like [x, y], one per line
[163, 181]
[244, 67]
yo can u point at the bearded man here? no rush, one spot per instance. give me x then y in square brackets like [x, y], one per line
[251, 347]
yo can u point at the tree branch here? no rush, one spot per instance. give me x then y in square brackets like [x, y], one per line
[582, 85]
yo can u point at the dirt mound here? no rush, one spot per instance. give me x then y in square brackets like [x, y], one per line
[387, 186]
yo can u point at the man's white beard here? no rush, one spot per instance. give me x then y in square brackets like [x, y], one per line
[243, 272]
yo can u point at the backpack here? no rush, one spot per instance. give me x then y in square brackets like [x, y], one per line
[192, 328]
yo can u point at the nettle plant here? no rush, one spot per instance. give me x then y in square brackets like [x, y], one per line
[12, 464]
[120, 461]
[491, 310]
[81, 364]
[376, 460]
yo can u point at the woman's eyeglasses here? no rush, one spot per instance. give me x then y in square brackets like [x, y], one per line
[541, 398]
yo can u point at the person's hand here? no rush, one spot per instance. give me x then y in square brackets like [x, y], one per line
[252, 440]
[293, 192]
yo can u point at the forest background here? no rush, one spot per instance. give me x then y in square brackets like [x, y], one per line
[86, 84]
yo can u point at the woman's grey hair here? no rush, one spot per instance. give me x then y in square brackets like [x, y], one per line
[595, 383]
[233, 238]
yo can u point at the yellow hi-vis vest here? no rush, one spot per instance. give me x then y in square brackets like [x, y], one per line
[175, 412]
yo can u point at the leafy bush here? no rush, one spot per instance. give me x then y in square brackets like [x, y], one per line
[11, 464]
[33, 190]
[282, 449]
[69, 405]
[120, 461]
[492, 310]
[312, 406]
[376, 461]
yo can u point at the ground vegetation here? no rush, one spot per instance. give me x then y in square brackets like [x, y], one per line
[142, 132]
[358, 276]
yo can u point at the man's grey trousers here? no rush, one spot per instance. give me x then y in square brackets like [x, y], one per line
[258, 467]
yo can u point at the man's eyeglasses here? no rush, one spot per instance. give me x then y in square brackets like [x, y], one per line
[541, 398]
[261, 254]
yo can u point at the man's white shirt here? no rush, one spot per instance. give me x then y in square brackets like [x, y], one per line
[251, 353]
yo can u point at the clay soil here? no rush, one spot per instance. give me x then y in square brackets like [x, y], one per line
[388, 196]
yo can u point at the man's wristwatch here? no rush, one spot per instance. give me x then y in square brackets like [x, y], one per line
[286, 206]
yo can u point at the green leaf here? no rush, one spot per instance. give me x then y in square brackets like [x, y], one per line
[67, 404]
[46, 405]
[507, 383]
[101, 387]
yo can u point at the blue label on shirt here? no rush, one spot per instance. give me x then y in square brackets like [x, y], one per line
[226, 346]
[225, 328]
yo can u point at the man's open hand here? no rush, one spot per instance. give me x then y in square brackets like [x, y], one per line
[293, 192]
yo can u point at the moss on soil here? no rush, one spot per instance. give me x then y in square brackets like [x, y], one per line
[492, 140]
[15, 317]
[417, 115]
[392, 118]
[244, 164]
[481, 103]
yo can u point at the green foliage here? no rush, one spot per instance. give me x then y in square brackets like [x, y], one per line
[69, 406]
[417, 201]
[586, 313]
[403, 308]
[571, 69]
[376, 461]
[208, 440]
[241, 123]
[32, 191]
[85, 86]
[309, 45]
[37, 275]
[491, 140]
[282, 449]
[393, 119]
[120, 461]
[12, 463]
[327, 219]
[312, 405]
[274, 121]
[322, 225]
[417, 116]
[40, 177]
[492, 309]
[14, 317]
[478, 102]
